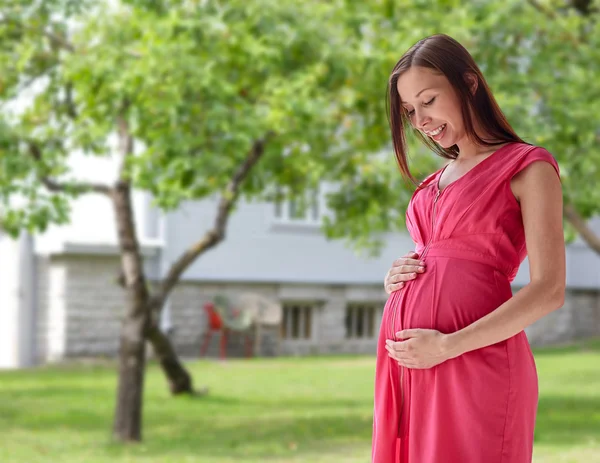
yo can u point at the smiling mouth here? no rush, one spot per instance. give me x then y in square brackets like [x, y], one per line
[437, 131]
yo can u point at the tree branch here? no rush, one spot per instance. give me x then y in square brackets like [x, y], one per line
[71, 110]
[551, 14]
[125, 140]
[58, 40]
[56, 186]
[585, 7]
[584, 230]
[542, 9]
[217, 233]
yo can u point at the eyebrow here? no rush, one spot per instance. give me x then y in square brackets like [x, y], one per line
[428, 88]
[417, 95]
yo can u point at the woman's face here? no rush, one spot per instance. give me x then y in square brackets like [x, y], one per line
[432, 105]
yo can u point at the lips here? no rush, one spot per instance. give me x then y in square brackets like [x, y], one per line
[436, 131]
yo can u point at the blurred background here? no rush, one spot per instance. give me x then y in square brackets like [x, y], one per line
[200, 201]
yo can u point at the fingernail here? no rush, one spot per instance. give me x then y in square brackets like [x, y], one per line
[422, 262]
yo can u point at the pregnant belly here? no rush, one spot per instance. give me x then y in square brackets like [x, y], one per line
[451, 294]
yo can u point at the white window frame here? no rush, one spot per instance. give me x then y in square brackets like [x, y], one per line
[370, 315]
[313, 214]
[287, 321]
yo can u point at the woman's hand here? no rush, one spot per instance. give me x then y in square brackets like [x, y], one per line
[403, 269]
[421, 348]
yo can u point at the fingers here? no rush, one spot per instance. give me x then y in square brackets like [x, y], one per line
[403, 269]
[395, 281]
[390, 288]
[409, 333]
[403, 265]
[412, 258]
[397, 346]
[402, 358]
[405, 273]
[392, 353]
[405, 358]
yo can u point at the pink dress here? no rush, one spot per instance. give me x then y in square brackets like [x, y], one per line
[481, 406]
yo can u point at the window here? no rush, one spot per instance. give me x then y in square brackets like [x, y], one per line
[306, 210]
[297, 321]
[360, 320]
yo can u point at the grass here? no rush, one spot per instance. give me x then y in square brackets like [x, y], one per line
[286, 410]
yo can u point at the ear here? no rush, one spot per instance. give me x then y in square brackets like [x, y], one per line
[471, 82]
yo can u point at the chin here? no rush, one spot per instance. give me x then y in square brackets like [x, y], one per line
[443, 143]
[447, 142]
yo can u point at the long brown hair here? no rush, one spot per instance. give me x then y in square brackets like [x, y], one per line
[446, 56]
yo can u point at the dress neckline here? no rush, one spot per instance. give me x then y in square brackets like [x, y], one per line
[437, 183]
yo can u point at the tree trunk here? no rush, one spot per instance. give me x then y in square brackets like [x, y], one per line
[132, 364]
[180, 381]
[581, 226]
[132, 360]
[178, 378]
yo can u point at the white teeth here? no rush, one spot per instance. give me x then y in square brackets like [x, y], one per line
[437, 131]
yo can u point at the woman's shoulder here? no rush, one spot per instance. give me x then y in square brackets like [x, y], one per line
[527, 153]
[524, 148]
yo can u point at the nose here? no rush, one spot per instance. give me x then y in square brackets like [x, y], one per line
[421, 120]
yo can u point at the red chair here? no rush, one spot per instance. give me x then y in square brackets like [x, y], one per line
[215, 324]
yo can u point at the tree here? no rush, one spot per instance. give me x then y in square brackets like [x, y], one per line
[204, 98]
[565, 58]
[239, 98]
[541, 60]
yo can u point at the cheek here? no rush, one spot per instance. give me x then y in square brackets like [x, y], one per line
[453, 112]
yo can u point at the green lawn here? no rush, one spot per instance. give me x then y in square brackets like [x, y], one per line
[272, 410]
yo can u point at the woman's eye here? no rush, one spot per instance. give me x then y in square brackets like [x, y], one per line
[427, 103]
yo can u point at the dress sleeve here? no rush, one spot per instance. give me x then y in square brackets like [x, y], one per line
[536, 154]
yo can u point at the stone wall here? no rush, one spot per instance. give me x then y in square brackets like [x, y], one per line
[328, 328]
[190, 320]
[42, 325]
[578, 318]
[95, 306]
[80, 309]
[80, 305]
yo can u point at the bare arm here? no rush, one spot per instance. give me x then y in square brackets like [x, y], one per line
[538, 189]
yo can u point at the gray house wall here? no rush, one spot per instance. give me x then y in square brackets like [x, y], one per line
[80, 307]
[259, 247]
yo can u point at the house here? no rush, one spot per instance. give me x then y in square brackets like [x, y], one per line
[59, 298]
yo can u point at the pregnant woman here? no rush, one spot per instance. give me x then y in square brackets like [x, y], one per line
[455, 379]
